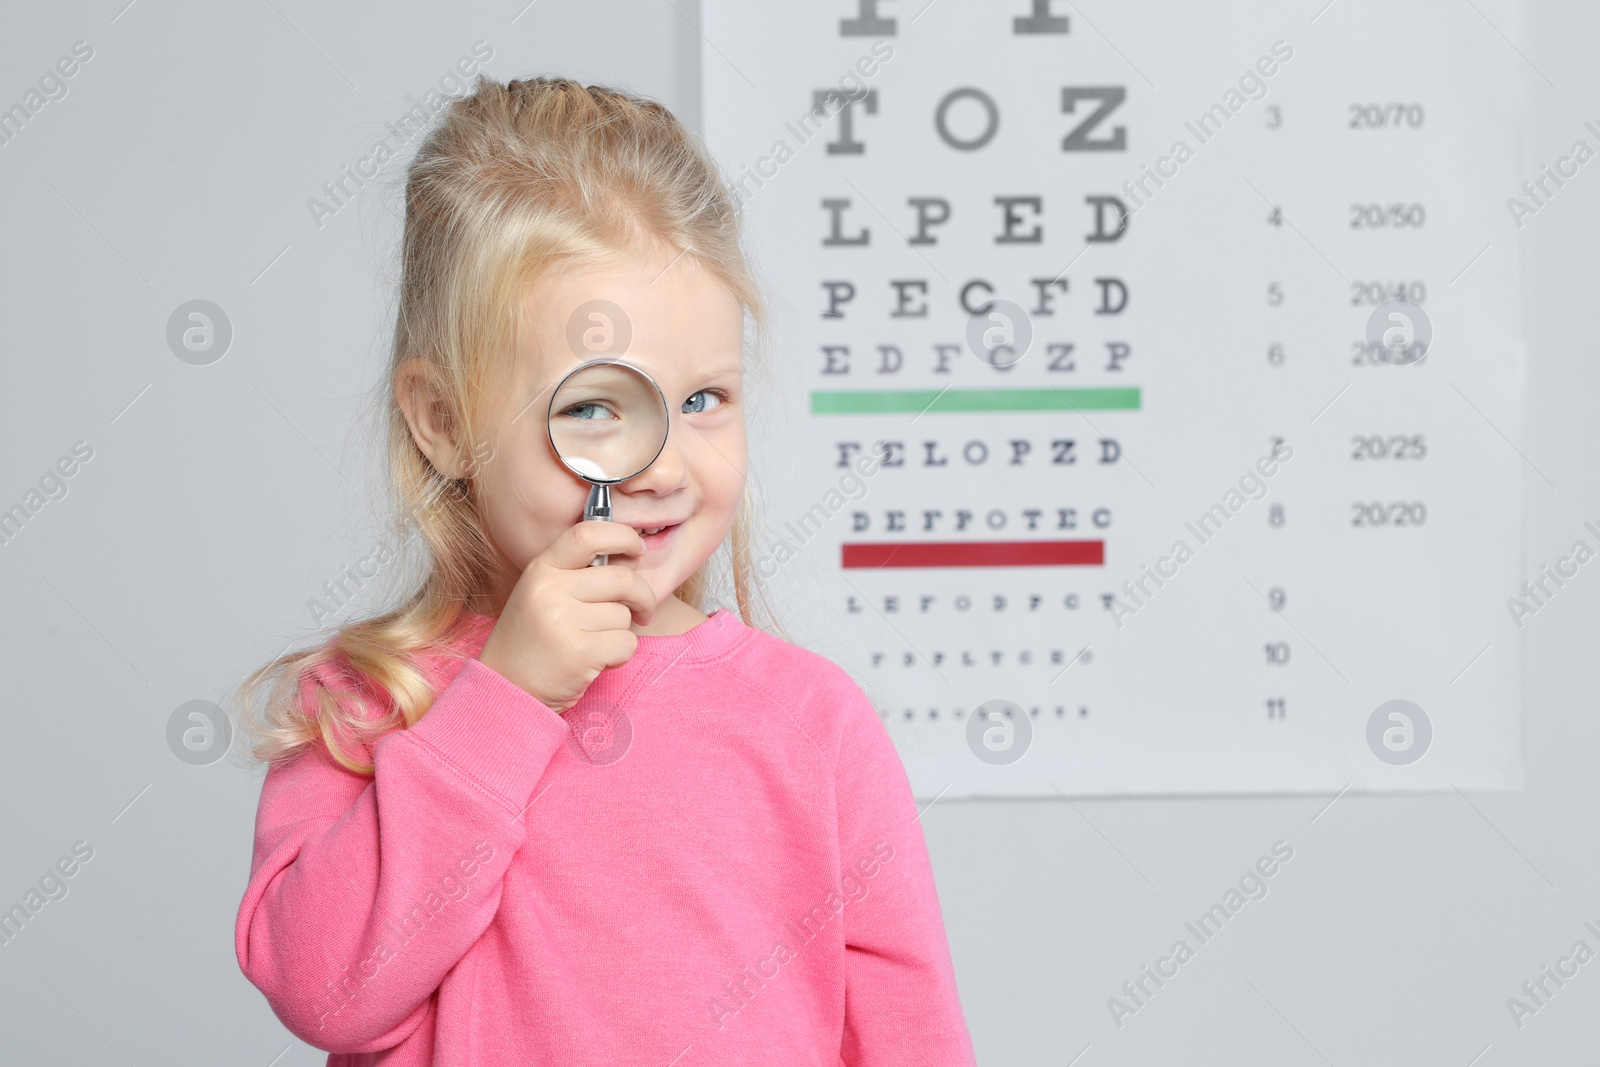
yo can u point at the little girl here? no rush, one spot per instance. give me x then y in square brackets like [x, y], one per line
[549, 813]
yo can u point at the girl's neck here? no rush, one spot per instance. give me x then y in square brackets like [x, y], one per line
[672, 617]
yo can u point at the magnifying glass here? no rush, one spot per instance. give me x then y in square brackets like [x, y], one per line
[607, 422]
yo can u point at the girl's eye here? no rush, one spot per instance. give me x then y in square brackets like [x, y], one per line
[591, 410]
[691, 407]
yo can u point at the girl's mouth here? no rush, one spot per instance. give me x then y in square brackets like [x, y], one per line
[656, 538]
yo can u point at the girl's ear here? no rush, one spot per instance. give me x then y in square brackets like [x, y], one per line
[421, 400]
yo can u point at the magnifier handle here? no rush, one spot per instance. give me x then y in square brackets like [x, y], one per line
[598, 509]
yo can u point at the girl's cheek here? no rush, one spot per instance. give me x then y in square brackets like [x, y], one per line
[730, 447]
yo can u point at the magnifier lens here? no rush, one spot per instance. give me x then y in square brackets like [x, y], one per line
[608, 421]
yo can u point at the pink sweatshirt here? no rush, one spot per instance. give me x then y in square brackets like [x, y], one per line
[713, 858]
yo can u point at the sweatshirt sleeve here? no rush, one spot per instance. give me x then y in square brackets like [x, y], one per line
[901, 1003]
[365, 891]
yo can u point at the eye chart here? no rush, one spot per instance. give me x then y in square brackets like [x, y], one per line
[1150, 389]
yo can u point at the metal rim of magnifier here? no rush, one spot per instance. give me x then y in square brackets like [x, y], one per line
[550, 411]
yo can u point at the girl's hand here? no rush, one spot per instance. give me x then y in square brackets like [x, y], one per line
[566, 621]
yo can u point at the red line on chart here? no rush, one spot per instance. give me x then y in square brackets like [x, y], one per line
[973, 554]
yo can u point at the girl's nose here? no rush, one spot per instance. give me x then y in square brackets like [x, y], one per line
[666, 474]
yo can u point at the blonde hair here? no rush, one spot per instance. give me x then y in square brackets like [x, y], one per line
[514, 179]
